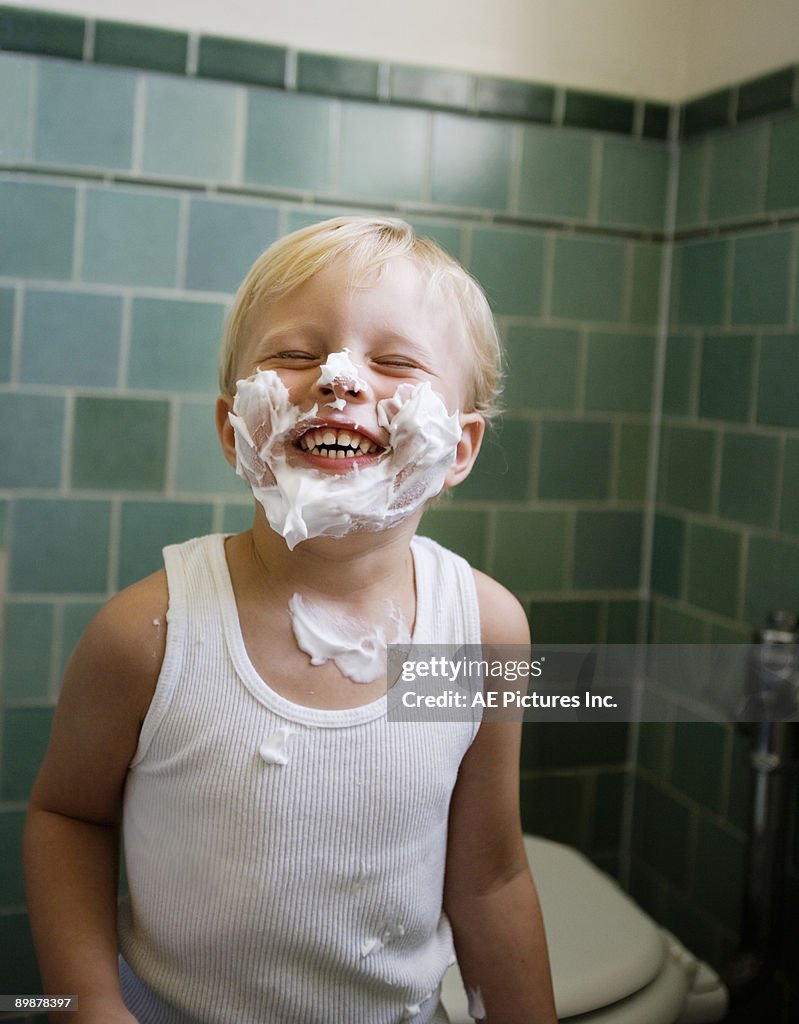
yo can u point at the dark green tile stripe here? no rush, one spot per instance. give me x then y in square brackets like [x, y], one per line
[54, 35]
[140, 46]
[236, 60]
[337, 76]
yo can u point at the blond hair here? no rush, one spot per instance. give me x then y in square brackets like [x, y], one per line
[368, 243]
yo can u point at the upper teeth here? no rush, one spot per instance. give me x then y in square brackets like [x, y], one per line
[338, 444]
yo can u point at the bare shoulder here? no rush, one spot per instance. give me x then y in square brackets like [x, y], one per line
[105, 695]
[128, 636]
[502, 618]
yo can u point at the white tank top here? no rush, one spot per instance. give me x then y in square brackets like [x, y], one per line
[286, 863]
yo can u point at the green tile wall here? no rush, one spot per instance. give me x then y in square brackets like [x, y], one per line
[84, 116]
[725, 546]
[129, 214]
[189, 129]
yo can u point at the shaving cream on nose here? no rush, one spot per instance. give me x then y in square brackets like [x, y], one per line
[302, 502]
[340, 373]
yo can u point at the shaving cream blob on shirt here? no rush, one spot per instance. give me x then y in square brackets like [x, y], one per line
[358, 650]
[302, 502]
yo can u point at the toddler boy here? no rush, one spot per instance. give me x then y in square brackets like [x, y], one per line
[294, 856]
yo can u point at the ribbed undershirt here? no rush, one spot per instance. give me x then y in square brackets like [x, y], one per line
[303, 892]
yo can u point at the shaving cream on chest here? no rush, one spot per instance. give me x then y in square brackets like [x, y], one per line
[357, 649]
[302, 502]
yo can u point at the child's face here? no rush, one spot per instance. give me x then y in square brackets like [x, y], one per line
[335, 378]
[394, 331]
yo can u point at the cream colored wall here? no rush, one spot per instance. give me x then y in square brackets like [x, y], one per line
[659, 49]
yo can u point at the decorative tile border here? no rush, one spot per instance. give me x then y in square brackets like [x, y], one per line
[119, 43]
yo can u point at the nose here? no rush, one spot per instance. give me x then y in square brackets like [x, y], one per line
[340, 381]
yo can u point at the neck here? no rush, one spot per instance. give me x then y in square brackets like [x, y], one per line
[354, 571]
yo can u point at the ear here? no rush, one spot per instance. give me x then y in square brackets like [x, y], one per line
[225, 429]
[472, 430]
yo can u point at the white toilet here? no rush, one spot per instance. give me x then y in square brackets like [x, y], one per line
[611, 963]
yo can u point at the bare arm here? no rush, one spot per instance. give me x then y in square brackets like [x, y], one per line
[489, 896]
[71, 833]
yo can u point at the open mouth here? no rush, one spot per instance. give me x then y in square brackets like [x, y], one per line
[337, 443]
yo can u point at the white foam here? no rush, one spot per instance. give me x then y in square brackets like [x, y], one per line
[302, 502]
[356, 648]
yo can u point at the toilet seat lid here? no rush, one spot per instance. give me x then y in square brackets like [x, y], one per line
[602, 946]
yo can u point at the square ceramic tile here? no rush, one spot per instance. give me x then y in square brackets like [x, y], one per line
[738, 161]
[39, 419]
[59, 546]
[174, 344]
[530, 549]
[783, 182]
[84, 116]
[147, 527]
[607, 550]
[288, 140]
[714, 559]
[510, 267]
[760, 290]
[502, 470]
[119, 443]
[588, 279]
[574, 460]
[225, 238]
[725, 385]
[749, 474]
[772, 577]
[470, 161]
[201, 465]
[700, 271]
[620, 372]
[382, 152]
[542, 367]
[16, 97]
[461, 530]
[688, 466]
[27, 649]
[25, 735]
[777, 375]
[633, 182]
[37, 223]
[71, 337]
[555, 173]
[189, 128]
[130, 237]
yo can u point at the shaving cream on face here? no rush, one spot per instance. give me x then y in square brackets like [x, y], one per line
[340, 373]
[357, 649]
[302, 502]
